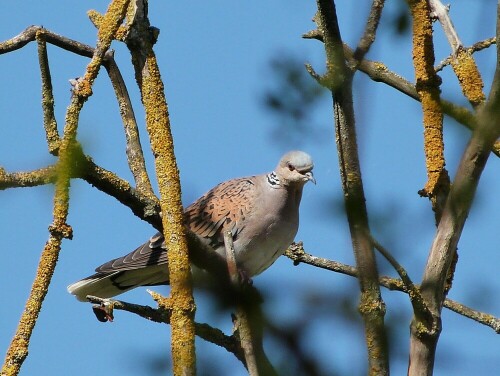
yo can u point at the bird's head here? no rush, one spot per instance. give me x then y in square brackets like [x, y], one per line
[295, 167]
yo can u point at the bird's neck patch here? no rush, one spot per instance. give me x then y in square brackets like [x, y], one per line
[273, 180]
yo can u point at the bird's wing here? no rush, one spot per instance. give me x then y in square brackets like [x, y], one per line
[152, 252]
[224, 207]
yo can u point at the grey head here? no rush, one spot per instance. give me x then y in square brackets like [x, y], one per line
[295, 168]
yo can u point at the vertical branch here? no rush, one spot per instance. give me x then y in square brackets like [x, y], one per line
[339, 80]
[49, 119]
[423, 341]
[242, 319]
[462, 62]
[140, 42]
[135, 157]
[427, 85]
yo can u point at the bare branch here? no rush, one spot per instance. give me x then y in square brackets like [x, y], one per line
[298, 255]
[420, 308]
[478, 46]
[463, 63]
[370, 30]
[135, 156]
[49, 119]
[140, 40]
[440, 12]
[204, 331]
[42, 176]
[371, 306]
[242, 322]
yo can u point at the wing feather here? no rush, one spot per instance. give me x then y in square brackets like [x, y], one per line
[224, 207]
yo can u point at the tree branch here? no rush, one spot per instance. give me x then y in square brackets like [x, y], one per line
[463, 63]
[298, 255]
[370, 30]
[242, 321]
[427, 86]
[204, 331]
[339, 80]
[478, 46]
[140, 40]
[458, 204]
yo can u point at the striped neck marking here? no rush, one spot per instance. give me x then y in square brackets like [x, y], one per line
[273, 180]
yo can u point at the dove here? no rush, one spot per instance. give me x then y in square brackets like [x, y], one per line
[261, 211]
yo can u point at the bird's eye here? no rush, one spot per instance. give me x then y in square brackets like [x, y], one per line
[291, 167]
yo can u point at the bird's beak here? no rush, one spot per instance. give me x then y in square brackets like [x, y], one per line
[310, 177]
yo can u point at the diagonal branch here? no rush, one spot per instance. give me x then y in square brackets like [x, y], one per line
[370, 30]
[135, 156]
[463, 63]
[456, 210]
[420, 308]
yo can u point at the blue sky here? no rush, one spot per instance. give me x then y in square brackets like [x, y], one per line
[215, 65]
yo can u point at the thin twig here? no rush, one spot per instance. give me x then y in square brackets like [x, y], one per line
[478, 46]
[370, 30]
[135, 156]
[42, 176]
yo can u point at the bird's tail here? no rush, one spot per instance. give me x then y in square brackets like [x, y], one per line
[109, 284]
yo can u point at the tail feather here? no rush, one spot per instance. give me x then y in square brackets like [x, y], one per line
[107, 285]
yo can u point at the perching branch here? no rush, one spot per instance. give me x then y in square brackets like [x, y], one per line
[298, 255]
[204, 331]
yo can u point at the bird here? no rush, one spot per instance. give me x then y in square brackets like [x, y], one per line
[261, 211]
